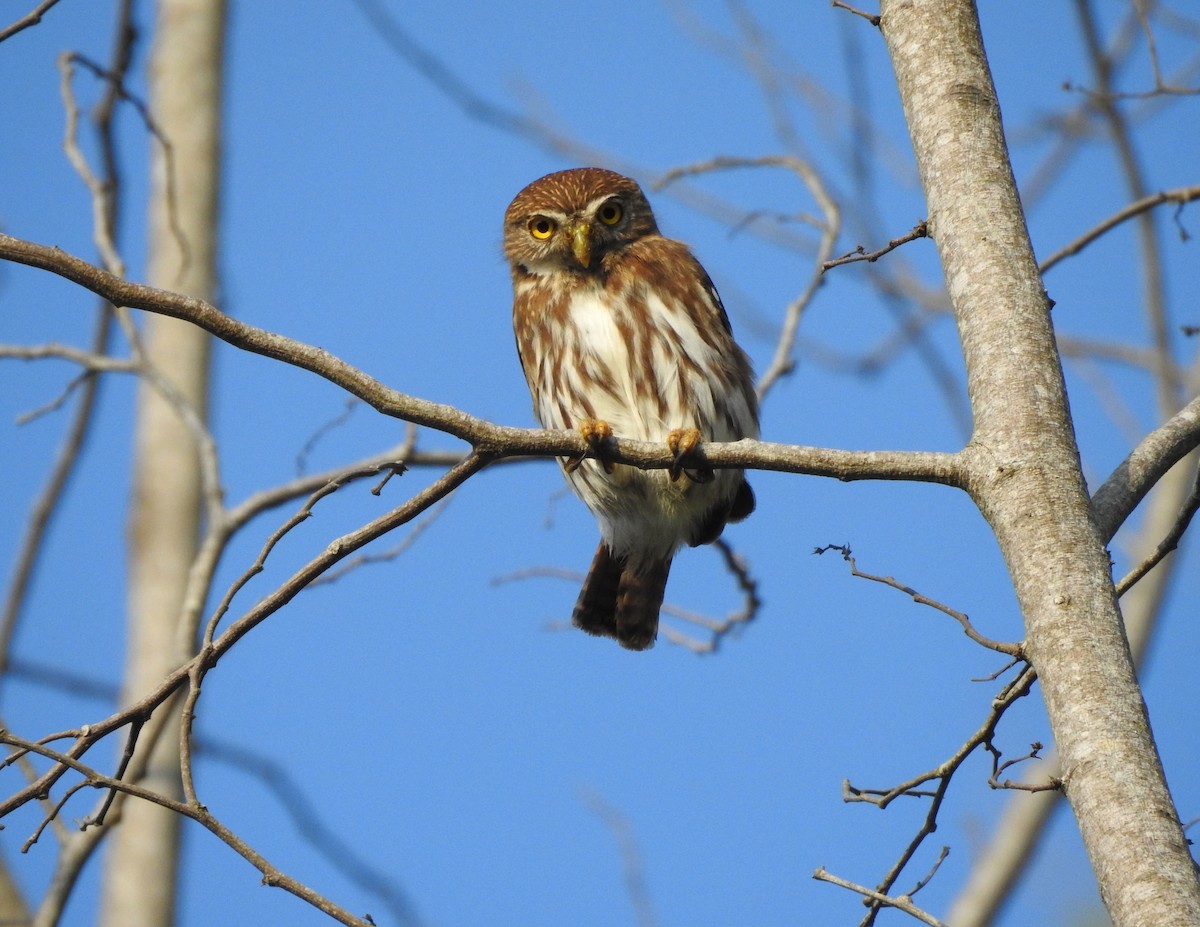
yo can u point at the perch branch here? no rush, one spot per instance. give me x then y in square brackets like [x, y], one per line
[495, 441]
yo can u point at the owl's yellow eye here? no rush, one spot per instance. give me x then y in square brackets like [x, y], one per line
[541, 228]
[610, 213]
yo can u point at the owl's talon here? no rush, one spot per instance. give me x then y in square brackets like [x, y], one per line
[595, 433]
[681, 442]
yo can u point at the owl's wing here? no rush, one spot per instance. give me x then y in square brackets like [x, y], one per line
[527, 351]
[525, 354]
[711, 288]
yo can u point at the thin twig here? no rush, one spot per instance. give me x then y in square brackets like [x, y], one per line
[208, 657]
[100, 189]
[28, 770]
[105, 213]
[305, 814]
[920, 230]
[32, 18]
[720, 629]
[1013, 650]
[332, 425]
[992, 677]
[782, 363]
[928, 877]
[387, 556]
[271, 875]
[131, 740]
[53, 815]
[1015, 689]
[91, 360]
[222, 529]
[1051, 784]
[1179, 195]
[115, 79]
[873, 18]
[1168, 543]
[1154, 300]
[879, 899]
[942, 775]
[631, 856]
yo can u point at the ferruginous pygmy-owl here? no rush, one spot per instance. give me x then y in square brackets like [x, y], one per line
[621, 333]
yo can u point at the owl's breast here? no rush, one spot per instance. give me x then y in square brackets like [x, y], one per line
[619, 377]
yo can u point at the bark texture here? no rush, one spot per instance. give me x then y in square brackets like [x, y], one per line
[1025, 472]
[996, 870]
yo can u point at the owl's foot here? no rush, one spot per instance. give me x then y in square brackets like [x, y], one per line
[681, 442]
[595, 433]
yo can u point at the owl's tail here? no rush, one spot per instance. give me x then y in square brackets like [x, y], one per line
[617, 602]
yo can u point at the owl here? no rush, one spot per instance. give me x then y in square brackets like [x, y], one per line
[621, 333]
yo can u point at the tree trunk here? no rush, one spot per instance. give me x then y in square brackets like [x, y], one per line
[996, 870]
[1023, 453]
[185, 80]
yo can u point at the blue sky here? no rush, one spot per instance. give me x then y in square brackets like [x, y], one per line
[443, 725]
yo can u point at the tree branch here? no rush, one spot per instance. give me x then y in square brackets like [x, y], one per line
[496, 441]
[207, 658]
[198, 813]
[1180, 195]
[1146, 464]
[32, 18]
[1168, 543]
[879, 899]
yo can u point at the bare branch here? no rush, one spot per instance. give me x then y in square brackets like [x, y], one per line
[1153, 285]
[1168, 543]
[391, 553]
[1137, 474]
[223, 527]
[631, 856]
[872, 18]
[942, 774]
[1179, 195]
[1013, 650]
[102, 190]
[920, 230]
[32, 18]
[90, 360]
[328, 427]
[27, 769]
[305, 815]
[105, 212]
[493, 440]
[879, 899]
[270, 874]
[928, 877]
[208, 657]
[720, 629]
[1050, 784]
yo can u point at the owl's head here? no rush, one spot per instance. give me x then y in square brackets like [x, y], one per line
[571, 220]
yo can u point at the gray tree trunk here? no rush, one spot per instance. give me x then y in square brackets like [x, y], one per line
[185, 81]
[997, 868]
[1023, 454]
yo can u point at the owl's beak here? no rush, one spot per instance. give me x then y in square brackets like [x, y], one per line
[581, 243]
